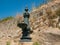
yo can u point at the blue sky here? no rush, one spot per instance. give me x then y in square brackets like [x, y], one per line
[11, 7]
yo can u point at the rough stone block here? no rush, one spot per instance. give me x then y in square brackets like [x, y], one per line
[26, 43]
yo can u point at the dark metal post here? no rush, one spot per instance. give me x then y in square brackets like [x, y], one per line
[25, 27]
[26, 31]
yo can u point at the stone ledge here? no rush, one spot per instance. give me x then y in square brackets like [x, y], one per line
[26, 43]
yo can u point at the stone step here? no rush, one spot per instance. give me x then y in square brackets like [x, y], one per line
[26, 43]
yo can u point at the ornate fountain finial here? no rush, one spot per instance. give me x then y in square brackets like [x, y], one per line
[26, 9]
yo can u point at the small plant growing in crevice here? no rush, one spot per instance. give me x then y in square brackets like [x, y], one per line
[8, 43]
[36, 43]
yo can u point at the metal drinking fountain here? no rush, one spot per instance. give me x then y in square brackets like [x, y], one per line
[25, 27]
